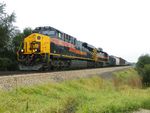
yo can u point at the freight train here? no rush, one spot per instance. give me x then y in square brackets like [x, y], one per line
[48, 48]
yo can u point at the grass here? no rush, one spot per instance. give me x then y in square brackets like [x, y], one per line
[128, 77]
[122, 94]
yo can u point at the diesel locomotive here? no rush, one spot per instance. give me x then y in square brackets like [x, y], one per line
[48, 48]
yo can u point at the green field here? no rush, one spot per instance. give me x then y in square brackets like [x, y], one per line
[122, 94]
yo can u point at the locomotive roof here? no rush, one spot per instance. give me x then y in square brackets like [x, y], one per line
[52, 28]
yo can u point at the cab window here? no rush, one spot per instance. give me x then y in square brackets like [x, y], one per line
[49, 33]
[52, 33]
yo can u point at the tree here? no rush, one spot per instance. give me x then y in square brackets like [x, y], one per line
[27, 31]
[7, 32]
[10, 39]
[143, 68]
[19, 38]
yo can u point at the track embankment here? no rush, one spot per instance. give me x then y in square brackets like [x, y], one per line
[13, 81]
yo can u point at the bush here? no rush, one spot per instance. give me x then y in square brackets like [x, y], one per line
[7, 64]
[4, 63]
[143, 68]
[146, 73]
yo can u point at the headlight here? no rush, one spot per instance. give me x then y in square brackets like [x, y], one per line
[35, 50]
[22, 50]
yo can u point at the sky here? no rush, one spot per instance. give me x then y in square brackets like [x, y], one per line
[120, 27]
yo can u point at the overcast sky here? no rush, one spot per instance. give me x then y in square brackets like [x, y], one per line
[120, 27]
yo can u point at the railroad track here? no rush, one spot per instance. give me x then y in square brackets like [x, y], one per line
[13, 73]
[8, 73]
[17, 79]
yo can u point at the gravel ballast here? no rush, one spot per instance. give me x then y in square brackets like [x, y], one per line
[14, 81]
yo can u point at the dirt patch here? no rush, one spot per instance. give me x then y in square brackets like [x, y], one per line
[142, 111]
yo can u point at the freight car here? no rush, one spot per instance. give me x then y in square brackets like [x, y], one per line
[116, 61]
[48, 48]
